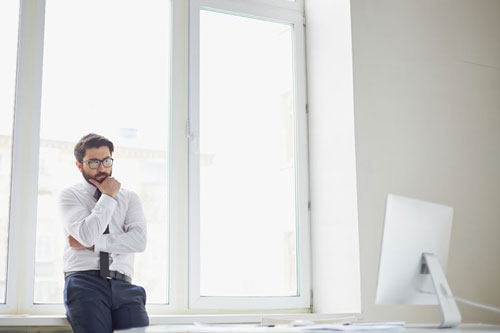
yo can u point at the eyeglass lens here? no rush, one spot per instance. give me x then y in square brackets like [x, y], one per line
[94, 164]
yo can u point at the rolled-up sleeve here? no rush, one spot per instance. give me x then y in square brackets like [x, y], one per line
[134, 237]
[85, 225]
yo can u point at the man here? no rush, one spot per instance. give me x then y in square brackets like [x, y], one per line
[105, 226]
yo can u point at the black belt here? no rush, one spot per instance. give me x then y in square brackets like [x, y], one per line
[112, 275]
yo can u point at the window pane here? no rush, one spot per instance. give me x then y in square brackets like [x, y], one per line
[9, 20]
[106, 70]
[247, 168]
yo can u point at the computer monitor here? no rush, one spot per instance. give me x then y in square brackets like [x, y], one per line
[414, 256]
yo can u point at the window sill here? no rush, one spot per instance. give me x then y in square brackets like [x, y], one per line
[33, 320]
[60, 320]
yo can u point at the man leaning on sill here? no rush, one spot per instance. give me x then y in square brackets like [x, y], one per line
[105, 226]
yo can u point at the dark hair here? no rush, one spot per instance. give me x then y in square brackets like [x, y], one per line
[91, 141]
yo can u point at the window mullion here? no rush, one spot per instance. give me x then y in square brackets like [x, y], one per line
[303, 195]
[178, 160]
[23, 211]
[193, 152]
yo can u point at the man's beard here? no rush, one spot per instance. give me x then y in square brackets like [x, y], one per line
[96, 177]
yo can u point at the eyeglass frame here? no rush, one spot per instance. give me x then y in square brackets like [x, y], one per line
[101, 162]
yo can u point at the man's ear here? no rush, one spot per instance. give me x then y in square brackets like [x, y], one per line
[79, 165]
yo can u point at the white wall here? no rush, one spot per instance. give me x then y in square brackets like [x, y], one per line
[334, 211]
[427, 122]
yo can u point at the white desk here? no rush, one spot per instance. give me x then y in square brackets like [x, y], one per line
[476, 328]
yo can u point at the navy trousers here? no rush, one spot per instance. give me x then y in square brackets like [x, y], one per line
[97, 305]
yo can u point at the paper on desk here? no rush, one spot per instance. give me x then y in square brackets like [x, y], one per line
[355, 327]
[241, 328]
[245, 328]
[276, 320]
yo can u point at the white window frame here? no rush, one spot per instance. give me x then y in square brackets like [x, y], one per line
[286, 12]
[25, 163]
[184, 96]
[25, 154]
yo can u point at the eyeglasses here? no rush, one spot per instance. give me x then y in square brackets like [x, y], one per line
[95, 163]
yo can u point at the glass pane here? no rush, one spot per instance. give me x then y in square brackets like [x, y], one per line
[9, 21]
[106, 70]
[247, 172]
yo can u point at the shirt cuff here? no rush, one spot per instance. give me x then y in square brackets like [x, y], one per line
[107, 200]
[102, 244]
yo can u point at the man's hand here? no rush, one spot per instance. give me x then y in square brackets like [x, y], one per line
[76, 244]
[109, 186]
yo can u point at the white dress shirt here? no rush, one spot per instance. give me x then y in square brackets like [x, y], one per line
[86, 220]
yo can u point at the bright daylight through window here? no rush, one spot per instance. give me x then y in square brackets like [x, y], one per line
[247, 167]
[111, 79]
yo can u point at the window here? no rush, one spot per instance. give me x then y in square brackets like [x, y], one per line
[212, 140]
[111, 79]
[247, 124]
[9, 14]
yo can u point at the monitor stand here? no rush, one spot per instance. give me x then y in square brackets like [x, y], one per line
[449, 309]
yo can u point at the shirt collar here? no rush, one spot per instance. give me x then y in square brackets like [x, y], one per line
[89, 187]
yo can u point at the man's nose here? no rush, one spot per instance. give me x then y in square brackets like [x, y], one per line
[101, 167]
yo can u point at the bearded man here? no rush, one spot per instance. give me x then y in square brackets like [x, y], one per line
[104, 225]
